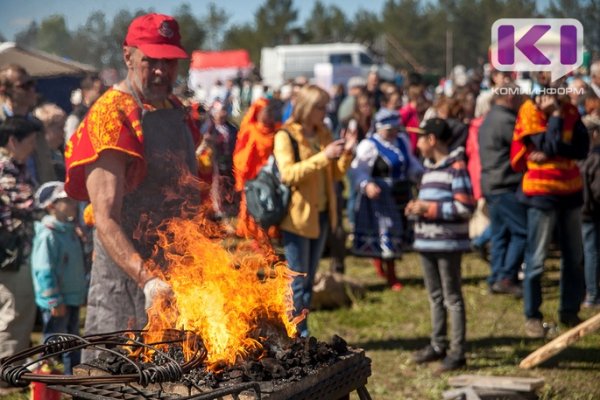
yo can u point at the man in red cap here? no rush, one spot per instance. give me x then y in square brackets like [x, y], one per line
[129, 152]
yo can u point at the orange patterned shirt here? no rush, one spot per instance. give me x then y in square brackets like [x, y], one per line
[112, 123]
[555, 176]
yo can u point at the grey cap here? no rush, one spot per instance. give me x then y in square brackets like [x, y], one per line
[356, 81]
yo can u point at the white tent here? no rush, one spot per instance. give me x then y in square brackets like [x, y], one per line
[40, 64]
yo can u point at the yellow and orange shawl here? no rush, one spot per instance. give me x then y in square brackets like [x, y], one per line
[113, 123]
[555, 176]
[253, 147]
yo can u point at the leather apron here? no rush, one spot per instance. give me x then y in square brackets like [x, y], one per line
[115, 301]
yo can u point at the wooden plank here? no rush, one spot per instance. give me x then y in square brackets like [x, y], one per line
[498, 394]
[486, 394]
[561, 342]
[518, 384]
[466, 393]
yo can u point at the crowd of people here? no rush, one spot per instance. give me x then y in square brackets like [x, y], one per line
[408, 167]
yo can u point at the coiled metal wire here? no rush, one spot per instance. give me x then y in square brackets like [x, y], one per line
[14, 371]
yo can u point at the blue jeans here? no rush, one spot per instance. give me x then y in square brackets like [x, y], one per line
[508, 220]
[69, 323]
[539, 233]
[303, 255]
[484, 238]
[591, 259]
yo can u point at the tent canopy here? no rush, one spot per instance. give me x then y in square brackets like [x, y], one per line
[40, 64]
[220, 59]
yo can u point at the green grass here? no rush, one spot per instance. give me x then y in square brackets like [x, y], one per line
[390, 325]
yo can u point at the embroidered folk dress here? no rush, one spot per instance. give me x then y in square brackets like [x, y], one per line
[390, 165]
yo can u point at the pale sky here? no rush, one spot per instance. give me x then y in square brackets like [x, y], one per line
[15, 15]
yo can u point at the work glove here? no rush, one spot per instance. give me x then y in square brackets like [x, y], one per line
[155, 287]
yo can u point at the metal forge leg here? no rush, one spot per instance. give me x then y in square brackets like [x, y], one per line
[363, 393]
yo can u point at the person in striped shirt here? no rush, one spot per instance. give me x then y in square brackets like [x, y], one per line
[441, 213]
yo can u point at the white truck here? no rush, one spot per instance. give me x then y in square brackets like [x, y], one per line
[280, 63]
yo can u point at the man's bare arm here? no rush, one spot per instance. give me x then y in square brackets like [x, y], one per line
[105, 182]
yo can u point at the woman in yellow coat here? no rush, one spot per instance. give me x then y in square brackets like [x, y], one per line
[312, 208]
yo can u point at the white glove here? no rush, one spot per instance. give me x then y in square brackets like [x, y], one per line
[154, 287]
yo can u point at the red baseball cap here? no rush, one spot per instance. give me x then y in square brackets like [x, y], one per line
[156, 35]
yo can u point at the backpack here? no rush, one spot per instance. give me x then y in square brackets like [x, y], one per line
[267, 199]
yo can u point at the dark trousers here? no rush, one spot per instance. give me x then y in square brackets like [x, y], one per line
[508, 220]
[336, 239]
[540, 228]
[591, 259]
[69, 323]
[442, 275]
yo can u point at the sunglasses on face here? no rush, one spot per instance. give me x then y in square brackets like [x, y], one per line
[30, 84]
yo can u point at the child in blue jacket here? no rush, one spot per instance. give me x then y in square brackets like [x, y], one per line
[57, 266]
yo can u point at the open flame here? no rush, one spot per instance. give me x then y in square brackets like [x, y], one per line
[229, 298]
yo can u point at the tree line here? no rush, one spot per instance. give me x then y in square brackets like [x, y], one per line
[410, 34]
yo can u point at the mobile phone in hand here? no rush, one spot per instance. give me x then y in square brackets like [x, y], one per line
[352, 125]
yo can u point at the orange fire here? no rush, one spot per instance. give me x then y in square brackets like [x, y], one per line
[229, 298]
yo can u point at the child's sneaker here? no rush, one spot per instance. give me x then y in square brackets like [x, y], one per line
[428, 354]
[451, 364]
